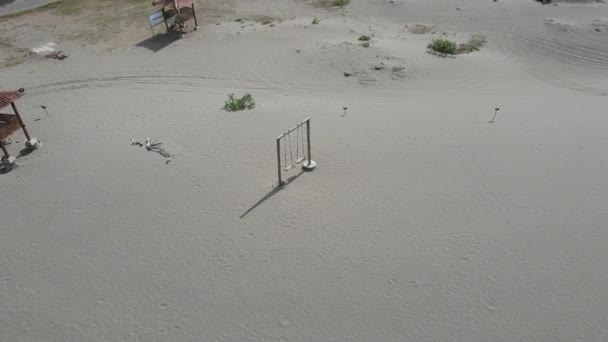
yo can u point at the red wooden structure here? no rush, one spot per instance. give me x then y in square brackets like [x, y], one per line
[178, 11]
[10, 123]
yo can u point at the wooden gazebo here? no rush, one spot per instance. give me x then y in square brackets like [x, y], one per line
[9, 123]
[177, 12]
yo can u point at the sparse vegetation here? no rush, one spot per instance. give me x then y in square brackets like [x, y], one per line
[12, 55]
[264, 19]
[340, 3]
[12, 61]
[44, 8]
[315, 21]
[421, 29]
[261, 19]
[474, 44]
[364, 38]
[447, 47]
[235, 103]
[69, 7]
[443, 46]
[332, 3]
[99, 22]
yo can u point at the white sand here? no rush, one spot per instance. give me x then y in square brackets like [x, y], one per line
[422, 222]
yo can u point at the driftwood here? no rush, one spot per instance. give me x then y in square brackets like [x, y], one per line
[154, 146]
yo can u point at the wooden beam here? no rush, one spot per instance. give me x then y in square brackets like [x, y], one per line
[27, 135]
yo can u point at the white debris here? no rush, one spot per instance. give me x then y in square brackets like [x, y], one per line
[45, 49]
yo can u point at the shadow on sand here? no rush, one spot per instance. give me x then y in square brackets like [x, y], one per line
[161, 41]
[272, 193]
[24, 152]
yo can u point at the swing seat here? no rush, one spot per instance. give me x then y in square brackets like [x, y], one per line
[299, 160]
[288, 167]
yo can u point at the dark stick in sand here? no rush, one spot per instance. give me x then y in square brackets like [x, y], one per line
[495, 111]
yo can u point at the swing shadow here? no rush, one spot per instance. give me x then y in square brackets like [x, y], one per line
[272, 193]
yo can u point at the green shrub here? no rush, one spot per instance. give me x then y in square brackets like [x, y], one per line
[234, 103]
[365, 38]
[315, 21]
[444, 46]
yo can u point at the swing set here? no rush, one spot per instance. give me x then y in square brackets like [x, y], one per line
[10, 123]
[302, 142]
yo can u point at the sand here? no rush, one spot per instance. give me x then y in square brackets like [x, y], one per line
[422, 221]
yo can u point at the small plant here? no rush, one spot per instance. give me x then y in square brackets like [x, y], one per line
[474, 44]
[340, 3]
[265, 20]
[365, 38]
[235, 103]
[443, 46]
[421, 29]
[328, 4]
[315, 21]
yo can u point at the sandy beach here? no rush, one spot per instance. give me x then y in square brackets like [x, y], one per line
[423, 221]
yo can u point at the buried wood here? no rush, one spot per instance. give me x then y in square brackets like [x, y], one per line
[495, 112]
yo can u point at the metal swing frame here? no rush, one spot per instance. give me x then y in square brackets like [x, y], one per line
[309, 164]
[10, 123]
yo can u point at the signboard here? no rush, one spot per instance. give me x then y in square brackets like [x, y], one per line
[156, 18]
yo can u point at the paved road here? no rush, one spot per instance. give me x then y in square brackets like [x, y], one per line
[10, 6]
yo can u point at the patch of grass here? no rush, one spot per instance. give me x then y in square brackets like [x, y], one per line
[443, 46]
[315, 21]
[95, 22]
[12, 61]
[17, 57]
[5, 44]
[421, 29]
[235, 103]
[13, 55]
[264, 19]
[332, 3]
[474, 44]
[365, 38]
[69, 7]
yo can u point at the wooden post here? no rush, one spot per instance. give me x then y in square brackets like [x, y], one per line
[279, 160]
[27, 135]
[194, 15]
[4, 150]
[308, 141]
[153, 34]
[165, 19]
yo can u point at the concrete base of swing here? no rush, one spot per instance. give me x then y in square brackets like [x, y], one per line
[7, 164]
[309, 166]
[32, 144]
